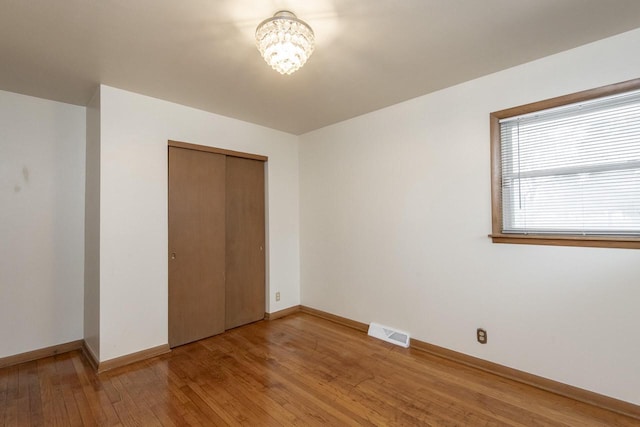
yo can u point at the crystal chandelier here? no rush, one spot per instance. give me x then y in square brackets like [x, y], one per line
[285, 41]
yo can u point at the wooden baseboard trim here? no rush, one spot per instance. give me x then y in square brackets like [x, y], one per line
[566, 390]
[363, 327]
[575, 393]
[40, 353]
[282, 313]
[132, 358]
[90, 356]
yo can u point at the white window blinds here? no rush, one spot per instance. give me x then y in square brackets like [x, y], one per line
[573, 169]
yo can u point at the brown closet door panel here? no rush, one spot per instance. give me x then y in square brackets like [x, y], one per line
[196, 237]
[245, 238]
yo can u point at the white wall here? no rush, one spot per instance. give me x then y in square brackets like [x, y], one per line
[395, 213]
[41, 223]
[133, 210]
[92, 228]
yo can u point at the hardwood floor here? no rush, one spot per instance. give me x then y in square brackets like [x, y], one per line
[297, 370]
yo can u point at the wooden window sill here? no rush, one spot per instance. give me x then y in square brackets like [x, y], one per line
[586, 241]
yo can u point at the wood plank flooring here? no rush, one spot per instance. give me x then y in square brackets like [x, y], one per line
[298, 370]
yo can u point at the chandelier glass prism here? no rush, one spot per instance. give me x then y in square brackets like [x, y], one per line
[285, 41]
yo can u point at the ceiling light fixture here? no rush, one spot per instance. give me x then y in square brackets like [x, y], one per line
[285, 41]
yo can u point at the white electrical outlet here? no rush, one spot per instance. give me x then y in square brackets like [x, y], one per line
[277, 296]
[481, 336]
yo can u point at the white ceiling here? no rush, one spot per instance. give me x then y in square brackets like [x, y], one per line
[369, 53]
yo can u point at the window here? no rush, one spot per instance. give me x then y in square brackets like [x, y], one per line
[566, 171]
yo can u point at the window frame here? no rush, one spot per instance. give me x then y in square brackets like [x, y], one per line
[496, 174]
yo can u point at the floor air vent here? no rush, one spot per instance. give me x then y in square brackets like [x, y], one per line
[393, 336]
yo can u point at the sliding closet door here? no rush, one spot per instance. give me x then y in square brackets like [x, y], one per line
[245, 241]
[196, 245]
